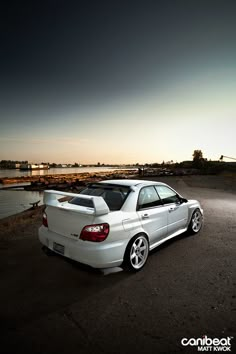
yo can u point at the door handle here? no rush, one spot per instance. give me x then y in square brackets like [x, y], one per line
[172, 209]
[145, 216]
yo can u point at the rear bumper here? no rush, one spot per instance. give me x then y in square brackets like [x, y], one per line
[94, 254]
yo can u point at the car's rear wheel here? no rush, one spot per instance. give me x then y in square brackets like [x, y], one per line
[195, 222]
[136, 253]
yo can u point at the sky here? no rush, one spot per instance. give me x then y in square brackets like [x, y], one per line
[117, 81]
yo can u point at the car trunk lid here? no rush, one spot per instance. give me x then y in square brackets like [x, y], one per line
[69, 219]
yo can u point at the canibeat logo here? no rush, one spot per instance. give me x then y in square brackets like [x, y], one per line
[207, 344]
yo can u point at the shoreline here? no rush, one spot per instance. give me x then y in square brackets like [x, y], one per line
[18, 178]
[16, 226]
[64, 181]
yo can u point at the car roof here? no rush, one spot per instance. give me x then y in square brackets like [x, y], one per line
[130, 182]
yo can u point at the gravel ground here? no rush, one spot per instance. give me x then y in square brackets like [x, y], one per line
[186, 289]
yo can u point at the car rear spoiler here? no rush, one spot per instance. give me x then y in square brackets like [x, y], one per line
[100, 207]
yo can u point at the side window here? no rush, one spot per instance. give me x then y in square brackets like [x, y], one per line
[167, 195]
[148, 198]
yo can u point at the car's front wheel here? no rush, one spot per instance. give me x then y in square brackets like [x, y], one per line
[195, 222]
[136, 253]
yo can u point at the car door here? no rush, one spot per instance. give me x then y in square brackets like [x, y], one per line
[177, 214]
[152, 214]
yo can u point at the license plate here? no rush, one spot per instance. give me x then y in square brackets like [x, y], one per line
[58, 248]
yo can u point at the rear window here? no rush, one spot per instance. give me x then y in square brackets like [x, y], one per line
[113, 195]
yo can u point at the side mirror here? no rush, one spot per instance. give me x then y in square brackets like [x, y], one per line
[183, 200]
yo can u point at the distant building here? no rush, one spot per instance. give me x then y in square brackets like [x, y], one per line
[30, 166]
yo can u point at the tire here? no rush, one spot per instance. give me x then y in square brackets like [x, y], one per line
[136, 253]
[196, 221]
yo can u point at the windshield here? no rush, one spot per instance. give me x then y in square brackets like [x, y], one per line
[114, 195]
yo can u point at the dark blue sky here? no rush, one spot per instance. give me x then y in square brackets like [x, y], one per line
[62, 58]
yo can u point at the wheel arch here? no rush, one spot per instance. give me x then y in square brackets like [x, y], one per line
[140, 233]
[192, 209]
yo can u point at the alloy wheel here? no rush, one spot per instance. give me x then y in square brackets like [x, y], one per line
[139, 252]
[196, 221]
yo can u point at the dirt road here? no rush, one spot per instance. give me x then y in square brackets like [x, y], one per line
[186, 289]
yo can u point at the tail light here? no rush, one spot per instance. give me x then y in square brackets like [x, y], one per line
[95, 233]
[45, 220]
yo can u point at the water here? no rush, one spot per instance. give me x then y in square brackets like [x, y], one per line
[17, 200]
[52, 171]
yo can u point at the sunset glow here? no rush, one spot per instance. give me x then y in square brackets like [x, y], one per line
[118, 83]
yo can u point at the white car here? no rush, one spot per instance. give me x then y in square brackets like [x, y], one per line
[116, 222]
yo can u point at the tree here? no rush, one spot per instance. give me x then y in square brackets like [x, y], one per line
[197, 158]
[197, 155]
